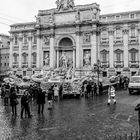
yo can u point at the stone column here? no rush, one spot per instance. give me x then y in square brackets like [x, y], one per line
[52, 51]
[73, 58]
[57, 58]
[139, 45]
[20, 50]
[94, 46]
[30, 51]
[111, 50]
[11, 52]
[78, 59]
[41, 53]
[38, 51]
[125, 44]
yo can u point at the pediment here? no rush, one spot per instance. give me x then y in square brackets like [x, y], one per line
[118, 51]
[104, 51]
[133, 50]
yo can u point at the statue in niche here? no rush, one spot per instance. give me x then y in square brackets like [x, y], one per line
[94, 13]
[86, 38]
[46, 59]
[87, 58]
[51, 18]
[77, 16]
[46, 40]
[63, 60]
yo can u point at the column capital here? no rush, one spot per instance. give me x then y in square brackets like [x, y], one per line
[20, 37]
[29, 37]
[11, 39]
[74, 48]
[94, 32]
[38, 36]
[111, 32]
[78, 33]
[51, 35]
[125, 31]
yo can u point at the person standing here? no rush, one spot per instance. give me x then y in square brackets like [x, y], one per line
[100, 88]
[13, 101]
[50, 98]
[25, 104]
[61, 92]
[41, 100]
[88, 89]
[111, 95]
[85, 89]
[56, 92]
[95, 89]
[6, 94]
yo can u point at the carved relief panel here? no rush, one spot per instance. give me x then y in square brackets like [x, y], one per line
[86, 38]
[46, 40]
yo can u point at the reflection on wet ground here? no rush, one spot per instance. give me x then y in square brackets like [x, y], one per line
[70, 119]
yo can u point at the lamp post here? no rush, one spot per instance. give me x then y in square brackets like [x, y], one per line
[98, 72]
[97, 69]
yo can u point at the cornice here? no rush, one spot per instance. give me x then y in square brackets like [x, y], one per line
[118, 21]
[20, 31]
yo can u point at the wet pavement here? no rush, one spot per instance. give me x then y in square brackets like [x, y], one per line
[73, 119]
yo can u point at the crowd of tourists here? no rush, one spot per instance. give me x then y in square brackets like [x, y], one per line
[11, 96]
[34, 93]
[91, 89]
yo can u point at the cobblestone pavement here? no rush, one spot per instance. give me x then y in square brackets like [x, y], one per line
[73, 119]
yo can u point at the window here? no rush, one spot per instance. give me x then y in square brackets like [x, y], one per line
[34, 40]
[24, 73]
[15, 58]
[34, 58]
[132, 15]
[24, 57]
[117, 17]
[118, 33]
[15, 40]
[104, 57]
[118, 57]
[25, 40]
[133, 56]
[133, 32]
[104, 35]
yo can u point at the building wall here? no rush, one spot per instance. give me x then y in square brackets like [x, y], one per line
[114, 39]
[4, 53]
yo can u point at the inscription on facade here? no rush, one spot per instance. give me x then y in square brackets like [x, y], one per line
[65, 18]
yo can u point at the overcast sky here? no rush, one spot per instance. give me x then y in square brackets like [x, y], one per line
[19, 11]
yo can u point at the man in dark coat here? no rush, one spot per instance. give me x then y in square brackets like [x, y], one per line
[88, 89]
[25, 104]
[41, 100]
[13, 101]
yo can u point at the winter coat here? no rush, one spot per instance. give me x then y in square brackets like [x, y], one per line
[13, 99]
[41, 97]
